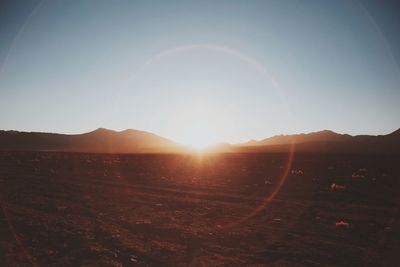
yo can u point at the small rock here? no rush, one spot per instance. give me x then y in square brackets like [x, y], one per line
[133, 258]
[342, 224]
[337, 187]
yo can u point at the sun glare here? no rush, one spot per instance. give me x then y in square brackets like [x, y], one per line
[201, 140]
[200, 145]
[200, 136]
[199, 126]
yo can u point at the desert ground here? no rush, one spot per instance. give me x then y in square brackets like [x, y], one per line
[77, 209]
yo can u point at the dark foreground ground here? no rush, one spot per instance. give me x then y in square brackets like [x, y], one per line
[65, 209]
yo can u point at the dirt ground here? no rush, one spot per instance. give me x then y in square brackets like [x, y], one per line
[75, 209]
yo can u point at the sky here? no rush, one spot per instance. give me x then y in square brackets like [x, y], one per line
[220, 71]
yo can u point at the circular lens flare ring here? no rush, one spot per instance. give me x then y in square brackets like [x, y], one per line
[200, 141]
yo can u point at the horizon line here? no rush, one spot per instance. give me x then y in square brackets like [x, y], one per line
[223, 142]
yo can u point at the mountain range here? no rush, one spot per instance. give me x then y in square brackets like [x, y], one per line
[326, 141]
[99, 141]
[135, 141]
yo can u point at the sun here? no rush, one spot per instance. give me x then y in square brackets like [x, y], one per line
[200, 145]
[199, 125]
[200, 136]
[201, 139]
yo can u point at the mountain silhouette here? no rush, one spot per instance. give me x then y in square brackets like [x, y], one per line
[321, 136]
[134, 141]
[326, 141]
[101, 140]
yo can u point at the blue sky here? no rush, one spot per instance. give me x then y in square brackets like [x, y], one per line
[229, 70]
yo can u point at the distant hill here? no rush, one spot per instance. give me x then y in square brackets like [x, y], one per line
[322, 136]
[101, 141]
[325, 141]
[134, 141]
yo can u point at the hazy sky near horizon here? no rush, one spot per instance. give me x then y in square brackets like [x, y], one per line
[229, 70]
